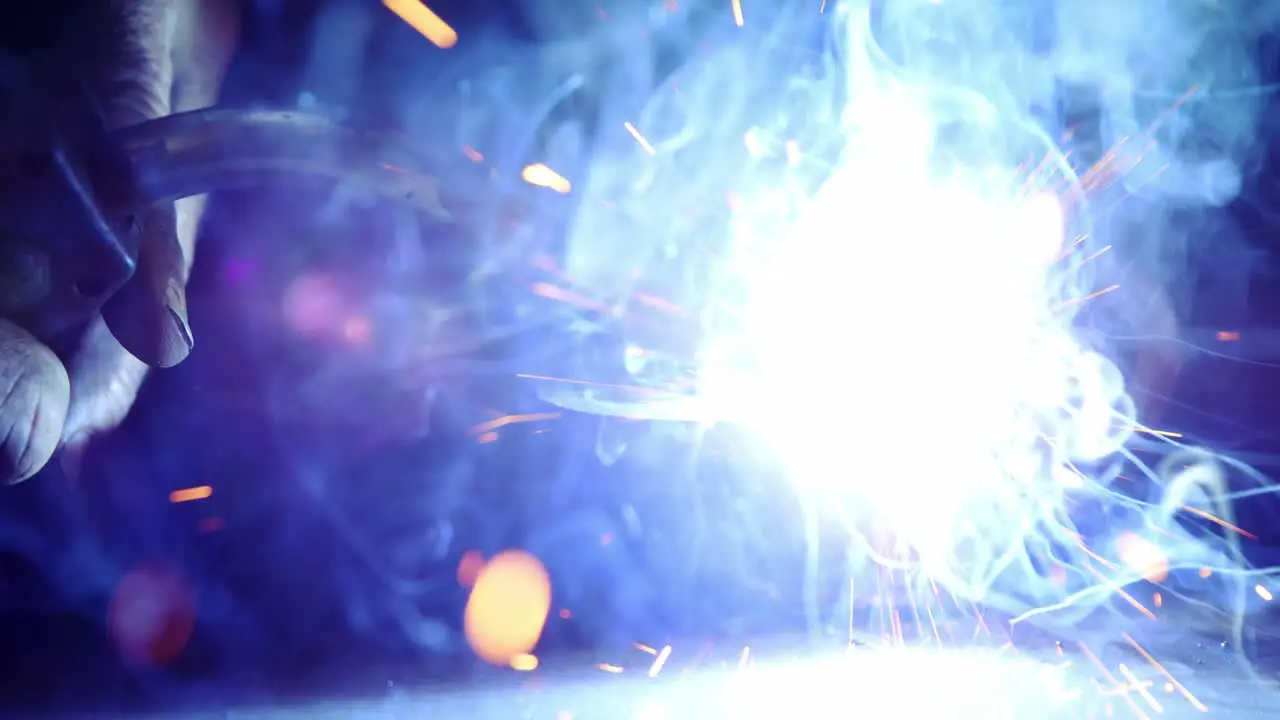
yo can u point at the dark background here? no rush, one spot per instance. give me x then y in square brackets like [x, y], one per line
[346, 488]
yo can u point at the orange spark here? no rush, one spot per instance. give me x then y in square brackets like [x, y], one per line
[540, 175]
[189, 494]
[505, 420]
[568, 297]
[1218, 521]
[1167, 675]
[421, 18]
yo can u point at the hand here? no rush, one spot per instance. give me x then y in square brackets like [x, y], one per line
[148, 58]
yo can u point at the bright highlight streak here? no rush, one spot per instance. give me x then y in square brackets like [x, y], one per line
[639, 138]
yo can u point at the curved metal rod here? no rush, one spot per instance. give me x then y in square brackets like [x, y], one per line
[218, 149]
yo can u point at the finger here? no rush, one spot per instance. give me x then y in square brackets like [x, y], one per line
[34, 395]
[105, 379]
[172, 57]
[134, 82]
[149, 314]
[204, 38]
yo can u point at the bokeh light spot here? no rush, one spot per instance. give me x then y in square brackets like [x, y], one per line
[151, 615]
[357, 331]
[469, 567]
[317, 307]
[508, 607]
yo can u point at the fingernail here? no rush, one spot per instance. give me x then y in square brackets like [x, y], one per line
[183, 330]
[176, 303]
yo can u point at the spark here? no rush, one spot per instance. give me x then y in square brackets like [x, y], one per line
[424, 20]
[1218, 521]
[1142, 687]
[644, 144]
[188, 494]
[1167, 675]
[1149, 431]
[554, 292]
[659, 661]
[505, 420]
[542, 176]
[1115, 683]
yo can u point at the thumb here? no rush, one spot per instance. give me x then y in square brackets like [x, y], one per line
[34, 394]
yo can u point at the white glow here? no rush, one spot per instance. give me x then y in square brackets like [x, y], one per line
[897, 340]
[956, 684]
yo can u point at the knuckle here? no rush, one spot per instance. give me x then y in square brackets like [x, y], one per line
[135, 67]
[34, 393]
